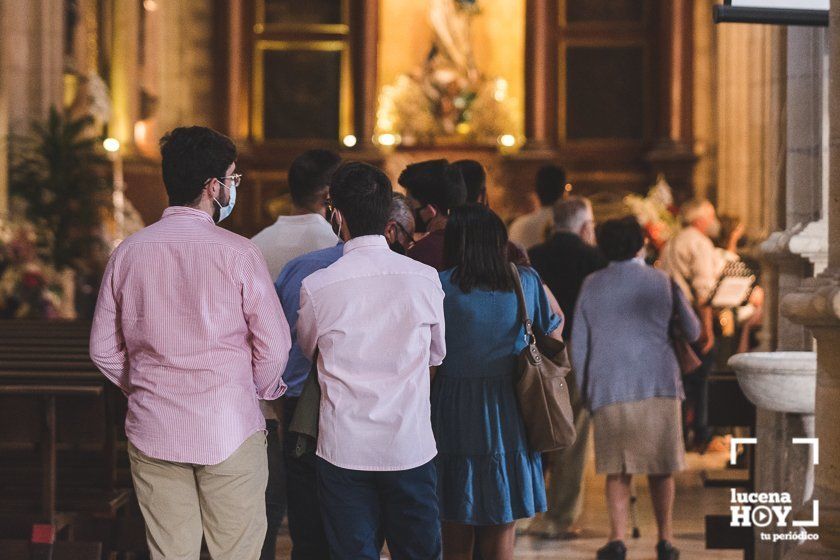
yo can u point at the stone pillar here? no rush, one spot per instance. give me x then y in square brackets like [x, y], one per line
[817, 305]
[783, 467]
[805, 173]
[187, 64]
[4, 115]
[750, 121]
[541, 69]
[33, 68]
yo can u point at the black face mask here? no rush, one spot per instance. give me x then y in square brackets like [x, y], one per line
[397, 247]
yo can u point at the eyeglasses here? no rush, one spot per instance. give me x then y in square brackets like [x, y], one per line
[407, 235]
[235, 179]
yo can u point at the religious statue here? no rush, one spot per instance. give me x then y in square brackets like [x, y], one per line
[447, 96]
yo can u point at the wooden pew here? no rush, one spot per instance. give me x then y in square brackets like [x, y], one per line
[59, 421]
[23, 550]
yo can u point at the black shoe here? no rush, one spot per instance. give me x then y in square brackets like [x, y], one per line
[666, 551]
[614, 550]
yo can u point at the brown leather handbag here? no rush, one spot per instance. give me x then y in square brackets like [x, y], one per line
[541, 387]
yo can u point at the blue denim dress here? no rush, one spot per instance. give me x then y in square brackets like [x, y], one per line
[487, 475]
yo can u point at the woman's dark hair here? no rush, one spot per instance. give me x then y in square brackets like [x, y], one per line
[476, 247]
[363, 195]
[191, 156]
[621, 239]
[310, 174]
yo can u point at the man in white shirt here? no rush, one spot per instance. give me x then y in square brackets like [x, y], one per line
[376, 319]
[304, 231]
[535, 227]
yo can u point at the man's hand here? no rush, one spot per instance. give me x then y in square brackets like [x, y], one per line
[706, 341]
[707, 337]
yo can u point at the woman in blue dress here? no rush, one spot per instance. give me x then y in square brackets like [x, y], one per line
[487, 475]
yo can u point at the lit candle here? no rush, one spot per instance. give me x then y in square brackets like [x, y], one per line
[112, 146]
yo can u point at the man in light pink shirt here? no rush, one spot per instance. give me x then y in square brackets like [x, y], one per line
[189, 326]
[376, 319]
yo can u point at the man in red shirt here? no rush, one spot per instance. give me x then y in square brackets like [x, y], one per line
[434, 188]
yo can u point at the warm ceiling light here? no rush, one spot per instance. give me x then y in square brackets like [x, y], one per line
[507, 140]
[349, 141]
[150, 5]
[387, 139]
[111, 145]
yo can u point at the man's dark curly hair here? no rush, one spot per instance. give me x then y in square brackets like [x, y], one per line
[190, 156]
[362, 193]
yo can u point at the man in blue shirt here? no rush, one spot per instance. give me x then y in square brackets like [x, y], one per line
[306, 530]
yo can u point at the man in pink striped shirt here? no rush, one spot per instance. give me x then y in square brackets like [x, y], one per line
[189, 326]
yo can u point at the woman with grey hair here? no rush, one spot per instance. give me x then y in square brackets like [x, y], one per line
[628, 373]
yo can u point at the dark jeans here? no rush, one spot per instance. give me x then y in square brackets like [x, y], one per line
[402, 504]
[275, 491]
[306, 528]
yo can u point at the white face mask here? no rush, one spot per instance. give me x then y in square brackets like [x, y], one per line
[225, 211]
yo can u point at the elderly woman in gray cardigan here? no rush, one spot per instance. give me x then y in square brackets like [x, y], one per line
[628, 373]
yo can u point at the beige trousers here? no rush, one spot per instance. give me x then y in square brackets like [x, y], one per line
[224, 502]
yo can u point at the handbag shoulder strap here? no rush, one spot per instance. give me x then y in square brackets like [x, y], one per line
[674, 323]
[675, 299]
[522, 306]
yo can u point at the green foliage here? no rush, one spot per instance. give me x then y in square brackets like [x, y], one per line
[59, 172]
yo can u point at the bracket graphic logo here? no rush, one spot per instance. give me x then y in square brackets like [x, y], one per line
[766, 509]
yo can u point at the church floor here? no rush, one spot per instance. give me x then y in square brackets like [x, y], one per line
[693, 502]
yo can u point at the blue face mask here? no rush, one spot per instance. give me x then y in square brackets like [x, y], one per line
[225, 211]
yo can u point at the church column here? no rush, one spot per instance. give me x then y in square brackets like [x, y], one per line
[236, 93]
[364, 27]
[4, 115]
[31, 80]
[782, 466]
[125, 95]
[541, 75]
[35, 65]
[817, 305]
[673, 152]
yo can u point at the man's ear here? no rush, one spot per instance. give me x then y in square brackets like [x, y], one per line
[428, 213]
[390, 232]
[212, 189]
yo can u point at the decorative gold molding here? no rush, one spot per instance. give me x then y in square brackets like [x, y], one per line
[345, 125]
[261, 26]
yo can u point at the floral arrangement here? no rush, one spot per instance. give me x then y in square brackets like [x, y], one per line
[29, 288]
[447, 96]
[420, 108]
[656, 212]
